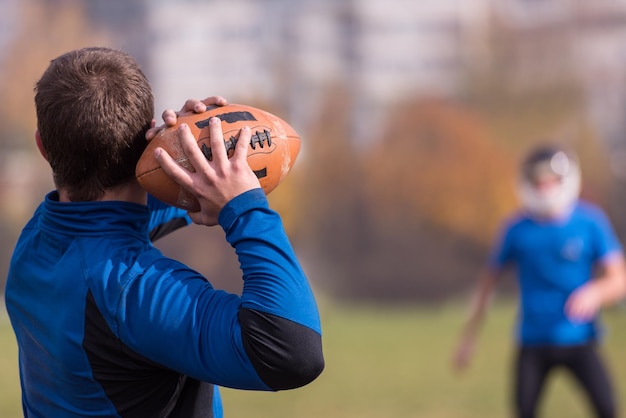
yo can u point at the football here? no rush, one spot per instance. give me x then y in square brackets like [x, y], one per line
[272, 151]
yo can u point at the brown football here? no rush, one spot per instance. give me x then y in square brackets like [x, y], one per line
[271, 153]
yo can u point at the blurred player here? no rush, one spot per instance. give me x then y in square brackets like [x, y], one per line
[569, 265]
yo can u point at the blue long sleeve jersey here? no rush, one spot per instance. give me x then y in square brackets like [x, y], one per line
[107, 326]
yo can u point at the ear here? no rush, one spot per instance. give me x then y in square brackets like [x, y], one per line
[40, 146]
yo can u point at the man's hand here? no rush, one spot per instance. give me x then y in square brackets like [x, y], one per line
[214, 183]
[606, 289]
[584, 303]
[191, 105]
[482, 295]
[463, 354]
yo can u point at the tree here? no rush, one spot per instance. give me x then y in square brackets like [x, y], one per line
[397, 220]
[439, 163]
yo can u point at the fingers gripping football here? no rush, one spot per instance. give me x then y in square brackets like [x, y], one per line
[213, 182]
[272, 148]
[170, 116]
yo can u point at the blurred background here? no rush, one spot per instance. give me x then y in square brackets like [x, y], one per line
[414, 115]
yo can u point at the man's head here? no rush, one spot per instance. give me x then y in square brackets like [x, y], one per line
[94, 106]
[549, 181]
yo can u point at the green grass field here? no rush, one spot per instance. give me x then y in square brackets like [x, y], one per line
[393, 362]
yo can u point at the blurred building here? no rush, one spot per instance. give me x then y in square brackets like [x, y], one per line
[127, 20]
[580, 41]
[9, 19]
[296, 52]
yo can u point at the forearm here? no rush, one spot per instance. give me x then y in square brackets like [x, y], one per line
[273, 279]
[480, 302]
[583, 304]
[610, 290]
[279, 318]
[164, 219]
[611, 285]
[478, 308]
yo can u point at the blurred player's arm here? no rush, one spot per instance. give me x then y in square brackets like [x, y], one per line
[480, 302]
[606, 289]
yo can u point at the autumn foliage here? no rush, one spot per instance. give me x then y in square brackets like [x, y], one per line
[408, 216]
[438, 162]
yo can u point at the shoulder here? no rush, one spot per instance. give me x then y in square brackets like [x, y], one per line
[515, 221]
[589, 211]
[586, 206]
[511, 228]
[134, 276]
[592, 218]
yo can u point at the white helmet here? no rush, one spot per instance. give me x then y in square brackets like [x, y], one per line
[549, 183]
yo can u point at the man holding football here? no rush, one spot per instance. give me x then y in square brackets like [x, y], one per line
[106, 325]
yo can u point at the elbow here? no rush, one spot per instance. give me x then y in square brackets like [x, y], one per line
[285, 354]
[299, 370]
[621, 291]
[617, 292]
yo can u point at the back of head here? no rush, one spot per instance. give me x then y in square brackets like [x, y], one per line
[549, 181]
[93, 107]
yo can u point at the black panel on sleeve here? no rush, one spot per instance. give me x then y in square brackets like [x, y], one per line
[166, 228]
[286, 355]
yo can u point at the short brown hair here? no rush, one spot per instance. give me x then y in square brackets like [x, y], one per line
[94, 106]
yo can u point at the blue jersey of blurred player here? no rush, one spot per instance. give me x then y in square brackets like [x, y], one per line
[569, 265]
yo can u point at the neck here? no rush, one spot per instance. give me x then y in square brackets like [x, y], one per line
[128, 192]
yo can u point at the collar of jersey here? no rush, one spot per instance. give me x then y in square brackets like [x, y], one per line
[93, 218]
